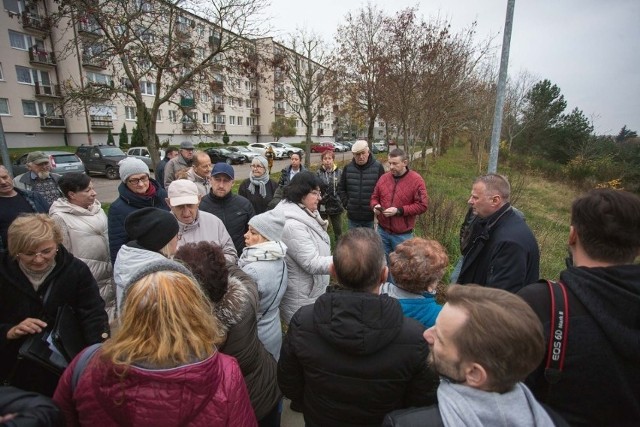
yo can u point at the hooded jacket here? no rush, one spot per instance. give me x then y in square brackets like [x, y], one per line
[356, 187]
[127, 202]
[330, 201]
[352, 357]
[600, 382]
[237, 312]
[85, 235]
[206, 393]
[71, 283]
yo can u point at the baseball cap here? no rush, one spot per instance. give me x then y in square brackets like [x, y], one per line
[223, 168]
[183, 192]
[359, 146]
[37, 157]
[186, 145]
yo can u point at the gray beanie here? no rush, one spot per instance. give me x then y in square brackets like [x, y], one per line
[262, 161]
[154, 267]
[269, 225]
[132, 166]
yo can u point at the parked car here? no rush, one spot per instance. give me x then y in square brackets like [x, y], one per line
[290, 149]
[223, 155]
[142, 153]
[340, 147]
[321, 147]
[260, 147]
[102, 159]
[381, 146]
[62, 162]
[246, 152]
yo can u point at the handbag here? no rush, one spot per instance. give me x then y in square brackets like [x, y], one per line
[55, 347]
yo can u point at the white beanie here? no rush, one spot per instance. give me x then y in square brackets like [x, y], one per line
[269, 225]
[132, 166]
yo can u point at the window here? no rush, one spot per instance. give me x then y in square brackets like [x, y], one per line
[1, 73]
[205, 118]
[239, 120]
[14, 6]
[102, 79]
[4, 107]
[232, 120]
[232, 101]
[130, 113]
[159, 116]
[30, 76]
[248, 103]
[218, 118]
[204, 96]
[144, 6]
[37, 109]
[147, 88]
[173, 116]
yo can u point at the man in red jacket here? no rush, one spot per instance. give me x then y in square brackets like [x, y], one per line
[398, 198]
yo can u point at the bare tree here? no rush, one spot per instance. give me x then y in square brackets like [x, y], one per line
[514, 105]
[155, 53]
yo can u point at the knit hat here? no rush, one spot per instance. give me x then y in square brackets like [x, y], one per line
[152, 228]
[183, 192]
[154, 267]
[37, 157]
[262, 161]
[132, 166]
[269, 225]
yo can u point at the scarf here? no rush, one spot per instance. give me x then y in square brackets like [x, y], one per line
[260, 182]
[37, 278]
[265, 251]
[315, 215]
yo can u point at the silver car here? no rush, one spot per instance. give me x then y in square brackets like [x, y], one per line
[142, 153]
[62, 162]
[246, 152]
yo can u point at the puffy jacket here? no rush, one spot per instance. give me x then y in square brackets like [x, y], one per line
[30, 409]
[408, 193]
[127, 202]
[173, 166]
[71, 283]
[26, 182]
[234, 211]
[85, 235]
[38, 205]
[352, 357]
[208, 227]
[308, 259]
[330, 202]
[237, 312]
[206, 393]
[260, 204]
[356, 186]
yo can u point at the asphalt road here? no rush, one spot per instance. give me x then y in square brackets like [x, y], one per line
[107, 189]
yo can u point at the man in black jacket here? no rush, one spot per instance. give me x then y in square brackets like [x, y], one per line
[358, 180]
[352, 356]
[600, 380]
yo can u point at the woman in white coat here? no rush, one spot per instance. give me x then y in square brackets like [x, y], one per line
[84, 232]
[308, 245]
[263, 260]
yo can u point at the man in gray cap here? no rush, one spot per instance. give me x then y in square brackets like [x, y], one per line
[39, 178]
[178, 163]
[233, 210]
[356, 186]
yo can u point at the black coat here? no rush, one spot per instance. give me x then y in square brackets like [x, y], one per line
[502, 252]
[260, 204]
[234, 211]
[600, 383]
[330, 203]
[356, 187]
[72, 283]
[352, 357]
[31, 409]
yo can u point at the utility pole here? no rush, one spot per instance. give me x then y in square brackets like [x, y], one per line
[502, 83]
[4, 151]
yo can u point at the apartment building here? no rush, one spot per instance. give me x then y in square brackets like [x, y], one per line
[60, 85]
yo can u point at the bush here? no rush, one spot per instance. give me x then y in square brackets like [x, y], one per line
[240, 143]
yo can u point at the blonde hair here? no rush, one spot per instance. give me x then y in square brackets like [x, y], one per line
[167, 321]
[28, 231]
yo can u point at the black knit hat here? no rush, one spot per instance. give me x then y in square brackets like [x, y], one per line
[151, 228]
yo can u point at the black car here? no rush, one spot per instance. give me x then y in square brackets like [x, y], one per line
[101, 159]
[218, 155]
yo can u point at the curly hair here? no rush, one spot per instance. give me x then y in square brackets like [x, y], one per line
[417, 264]
[208, 264]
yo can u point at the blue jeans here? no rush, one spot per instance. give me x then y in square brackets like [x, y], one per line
[355, 224]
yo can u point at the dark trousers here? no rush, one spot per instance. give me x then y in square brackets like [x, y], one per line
[336, 224]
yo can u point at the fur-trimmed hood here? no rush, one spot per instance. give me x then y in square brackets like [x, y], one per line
[236, 301]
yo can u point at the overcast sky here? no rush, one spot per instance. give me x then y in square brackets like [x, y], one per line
[589, 48]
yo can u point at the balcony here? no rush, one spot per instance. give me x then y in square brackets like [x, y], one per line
[49, 91]
[255, 111]
[214, 41]
[320, 132]
[279, 111]
[35, 23]
[99, 91]
[94, 61]
[217, 86]
[218, 106]
[254, 94]
[55, 122]
[38, 57]
[186, 102]
[101, 122]
[219, 127]
[189, 126]
[255, 129]
[89, 29]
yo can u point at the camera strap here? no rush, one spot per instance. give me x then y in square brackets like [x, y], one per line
[559, 329]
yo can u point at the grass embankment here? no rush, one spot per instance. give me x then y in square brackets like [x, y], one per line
[545, 204]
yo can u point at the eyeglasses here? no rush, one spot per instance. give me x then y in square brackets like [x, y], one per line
[257, 167]
[136, 181]
[315, 193]
[45, 253]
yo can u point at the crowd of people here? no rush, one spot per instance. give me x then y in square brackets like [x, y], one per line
[198, 306]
